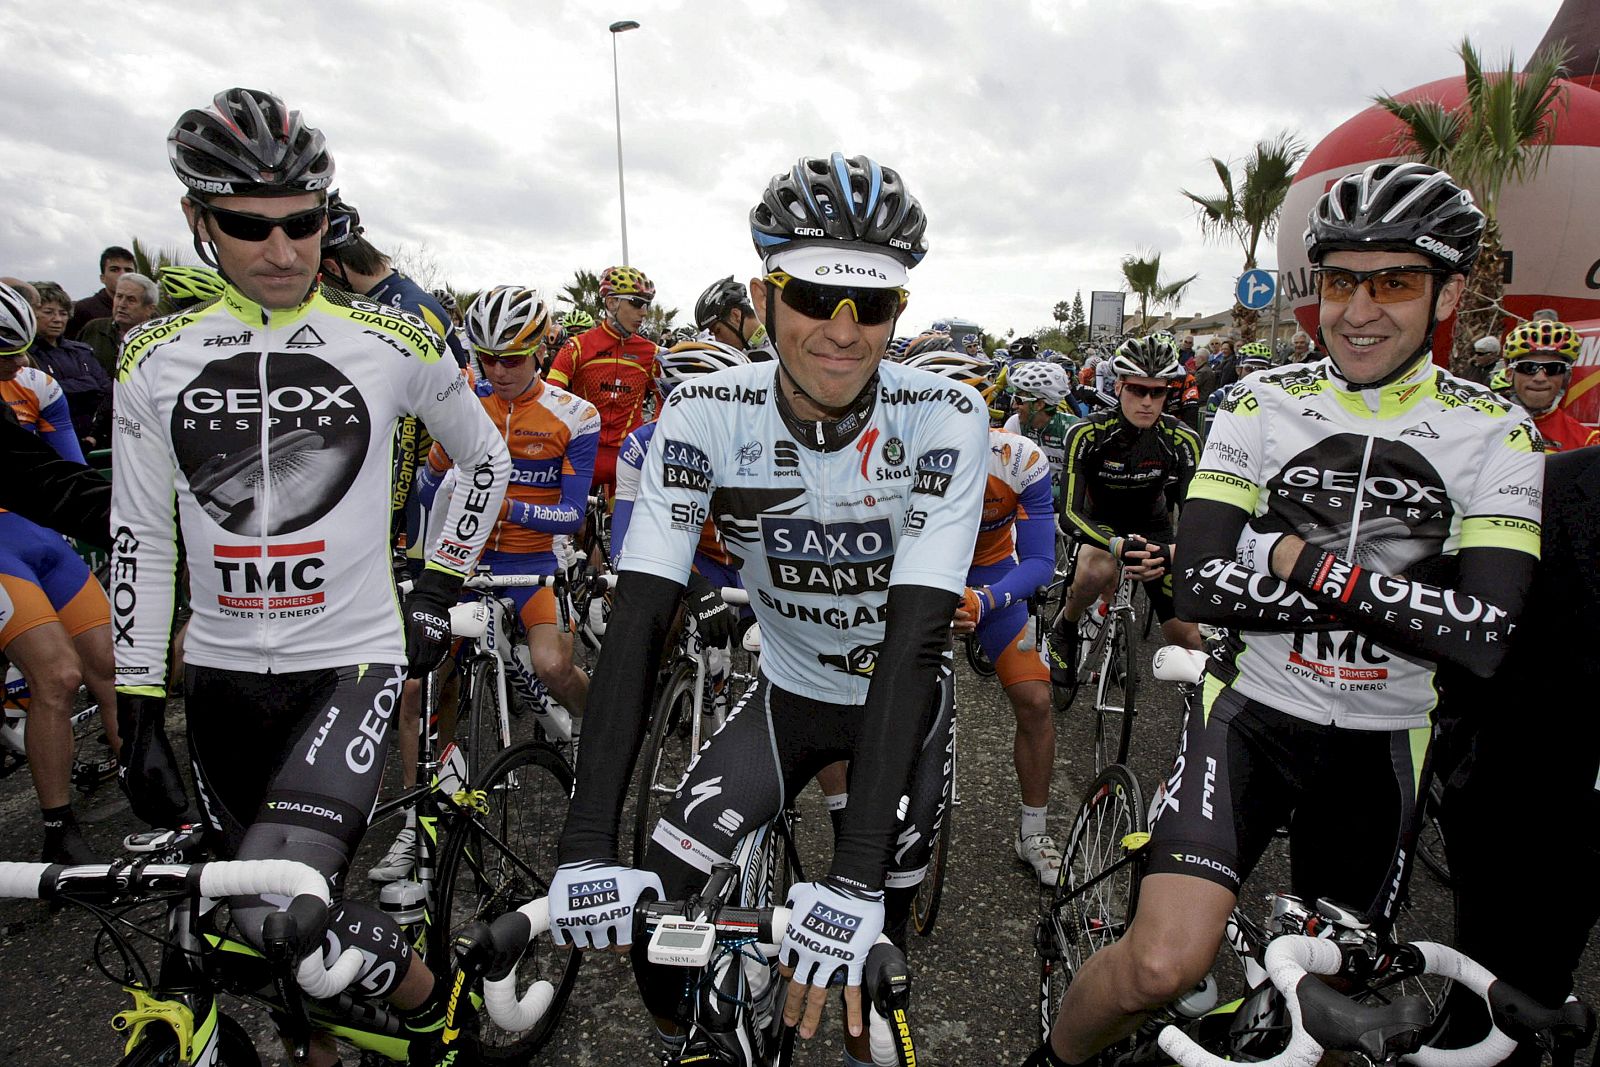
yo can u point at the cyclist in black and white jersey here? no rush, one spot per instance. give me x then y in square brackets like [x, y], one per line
[849, 490]
[262, 422]
[1353, 522]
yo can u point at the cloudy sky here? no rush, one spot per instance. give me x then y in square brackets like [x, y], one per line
[1046, 138]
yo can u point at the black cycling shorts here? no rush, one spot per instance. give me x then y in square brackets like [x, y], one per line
[1243, 770]
[288, 766]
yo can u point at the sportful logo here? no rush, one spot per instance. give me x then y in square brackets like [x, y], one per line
[785, 454]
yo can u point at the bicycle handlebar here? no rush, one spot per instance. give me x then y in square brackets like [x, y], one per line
[884, 979]
[1321, 1018]
[307, 914]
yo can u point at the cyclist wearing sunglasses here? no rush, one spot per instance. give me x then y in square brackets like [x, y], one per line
[613, 366]
[263, 422]
[1539, 356]
[1332, 500]
[848, 491]
[1123, 471]
[725, 312]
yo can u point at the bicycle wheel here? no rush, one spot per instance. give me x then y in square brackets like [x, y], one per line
[1116, 678]
[1430, 836]
[667, 752]
[498, 856]
[1077, 922]
[160, 1048]
[925, 905]
[477, 723]
[976, 659]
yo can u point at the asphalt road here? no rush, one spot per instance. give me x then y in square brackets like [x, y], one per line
[975, 977]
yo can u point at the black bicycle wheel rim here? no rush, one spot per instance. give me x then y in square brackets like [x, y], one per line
[497, 860]
[1129, 675]
[1077, 923]
[666, 753]
[480, 702]
[925, 905]
[976, 659]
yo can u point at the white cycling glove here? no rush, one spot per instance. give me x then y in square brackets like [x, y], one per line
[591, 903]
[830, 926]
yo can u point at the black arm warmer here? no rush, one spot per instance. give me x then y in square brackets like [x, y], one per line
[1212, 587]
[902, 691]
[618, 710]
[56, 493]
[1468, 625]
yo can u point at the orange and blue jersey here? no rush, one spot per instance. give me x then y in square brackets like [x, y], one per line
[36, 399]
[551, 435]
[1014, 554]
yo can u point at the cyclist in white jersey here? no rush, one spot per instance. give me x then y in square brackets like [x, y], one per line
[848, 490]
[1353, 521]
[262, 423]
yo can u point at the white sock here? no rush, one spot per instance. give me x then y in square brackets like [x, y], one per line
[1033, 820]
[837, 802]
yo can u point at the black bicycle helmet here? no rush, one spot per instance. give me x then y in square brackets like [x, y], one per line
[720, 298]
[344, 223]
[1023, 348]
[826, 201]
[926, 343]
[248, 144]
[1398, 207]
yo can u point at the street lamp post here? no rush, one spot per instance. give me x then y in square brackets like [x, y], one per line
[616, 92]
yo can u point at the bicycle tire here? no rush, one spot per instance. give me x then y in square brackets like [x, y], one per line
[1117, 680]
[159, 1048]
[930, 891]
[666, 753]
[1074, 925]
[498, 858]
[1430, 835]
[980, 664]
[476, 723]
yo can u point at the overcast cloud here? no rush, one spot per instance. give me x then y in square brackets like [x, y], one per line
[1045, 139]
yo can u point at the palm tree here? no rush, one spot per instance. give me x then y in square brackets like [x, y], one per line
[1248, 207]
[1499, 135]
[147, 259]
[1143, 278]
[582, 293]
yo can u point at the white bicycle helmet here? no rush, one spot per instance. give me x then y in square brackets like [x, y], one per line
[957, 365]
[1147, 357]
[17, 324]
[690, 359]
[507, 318]
[1039, 380]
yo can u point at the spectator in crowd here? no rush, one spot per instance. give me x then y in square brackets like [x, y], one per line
[73, 366]
[1186, 351]
[1484, 362]
[114, 262]
[134, 303]
[1217, 372]
[1301, 348]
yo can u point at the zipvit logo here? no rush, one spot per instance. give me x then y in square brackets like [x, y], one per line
[291, 571]
[838, 558]
[1439, 248]
[229, 339]
[934, 471]
[683, 466]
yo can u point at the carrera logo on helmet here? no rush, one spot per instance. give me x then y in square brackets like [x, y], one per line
[1439, 248]
[210, 187]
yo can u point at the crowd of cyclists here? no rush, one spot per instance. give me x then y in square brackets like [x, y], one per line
[1356, 523]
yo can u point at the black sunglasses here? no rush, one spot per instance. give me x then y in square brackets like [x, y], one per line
[1149, 392]
[870, 307]
[1553, 368]
[243, 226]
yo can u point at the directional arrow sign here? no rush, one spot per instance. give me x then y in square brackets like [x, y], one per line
[1256, 288]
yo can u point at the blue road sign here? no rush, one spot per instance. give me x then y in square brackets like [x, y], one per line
[1256, 288]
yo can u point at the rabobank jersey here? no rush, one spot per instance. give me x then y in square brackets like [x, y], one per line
[37, 401]
[266, 436]
[819, 536]
[1017, 488]
[1384, 478]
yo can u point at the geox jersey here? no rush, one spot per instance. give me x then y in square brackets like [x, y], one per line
[819, 537]
[551, 437]
[267, 435]
[1384, 478]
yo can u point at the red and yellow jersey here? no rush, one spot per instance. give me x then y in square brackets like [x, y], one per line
[1561, 432]
[1018, 486]
[614, 375]
[551, 436]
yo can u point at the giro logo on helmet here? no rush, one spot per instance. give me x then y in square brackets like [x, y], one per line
[1439, 248]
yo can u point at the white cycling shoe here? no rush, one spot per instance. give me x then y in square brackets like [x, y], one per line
[396, 863]
[1039, 852]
